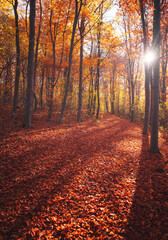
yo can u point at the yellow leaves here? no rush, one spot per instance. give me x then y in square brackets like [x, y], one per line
[112, 233]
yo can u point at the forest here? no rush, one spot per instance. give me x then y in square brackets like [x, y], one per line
[84, 119]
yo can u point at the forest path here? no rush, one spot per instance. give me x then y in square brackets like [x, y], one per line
[83, 181]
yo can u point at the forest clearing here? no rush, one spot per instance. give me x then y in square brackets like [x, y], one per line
[88, 180]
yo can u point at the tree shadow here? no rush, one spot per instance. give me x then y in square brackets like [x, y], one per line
[67, 159]
[148, 219]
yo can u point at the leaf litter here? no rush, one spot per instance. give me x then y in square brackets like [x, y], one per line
[93, 180]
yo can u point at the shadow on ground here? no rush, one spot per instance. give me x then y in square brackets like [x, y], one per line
[148, 219]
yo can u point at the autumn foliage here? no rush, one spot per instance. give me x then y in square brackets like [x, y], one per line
[83, 119]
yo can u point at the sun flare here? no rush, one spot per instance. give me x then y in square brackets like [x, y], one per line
[150, 56]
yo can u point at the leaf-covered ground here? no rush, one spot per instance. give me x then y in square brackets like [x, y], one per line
[93, 180]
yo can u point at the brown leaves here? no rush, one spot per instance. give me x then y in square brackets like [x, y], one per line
[81, 182]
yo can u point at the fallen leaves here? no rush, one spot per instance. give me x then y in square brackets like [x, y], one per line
[88, 181]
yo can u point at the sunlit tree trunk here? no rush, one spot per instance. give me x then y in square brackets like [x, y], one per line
[91, 85]
[112, 91]
[164, 65]
[130, 67]
[42, 86]
[36, 55]
[147, 72]
[30, 68]
[82, 30]
[98, 77]
[133, 100]
[156, 77]
[77, 12]
[98, 61]
[17, 73]
[52, 84]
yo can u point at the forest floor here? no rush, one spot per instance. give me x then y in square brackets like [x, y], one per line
[89, 180]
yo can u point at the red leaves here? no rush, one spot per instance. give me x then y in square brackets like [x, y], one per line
[81, 182]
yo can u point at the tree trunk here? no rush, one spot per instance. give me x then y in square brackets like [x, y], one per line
[91, 85]
[106, 103]
[133, 101]
[155, 100]
[17, 73]
[51, 102]
[164, 66]
[82, 30]
[112, 89]
[29, 92]
[37, 44]
[77, 12]
[98, 80]
[23, 83]
[90, 101]
[98, 62]
[36, 56]
[147, 73]
[42, 86]
[7, 94]
[52, 86]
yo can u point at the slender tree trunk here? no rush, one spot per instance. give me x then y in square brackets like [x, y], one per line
[151, 100]
[48, 82]
[98, 64]
[90, 101]
[112, 89]
[37, 44]
[147, 73]
[36, 56]
[164, 66]
[94, 98]
[42, 86]
[106, 103]
[17, 73]
[155, 101]
[133, 101]
[23, 84]
[147, 100]
[82, 30]
[77, 12]
[52, 86]
[51, 102]
[7, 94]
[98, 80]
[53, 35]
[130, 100]
[29, 92]
[118, 107]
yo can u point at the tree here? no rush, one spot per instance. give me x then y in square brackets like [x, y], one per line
[147, 71]
[36, 52]
[82, 31]
[17, 74]
[112, 83]
[132, 45]
[30, 68]
[98, 60]
[77, 12]
[156, 78]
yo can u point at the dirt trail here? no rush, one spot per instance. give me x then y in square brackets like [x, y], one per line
[83, 181]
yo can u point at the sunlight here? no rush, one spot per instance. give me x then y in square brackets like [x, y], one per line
[150, 56]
